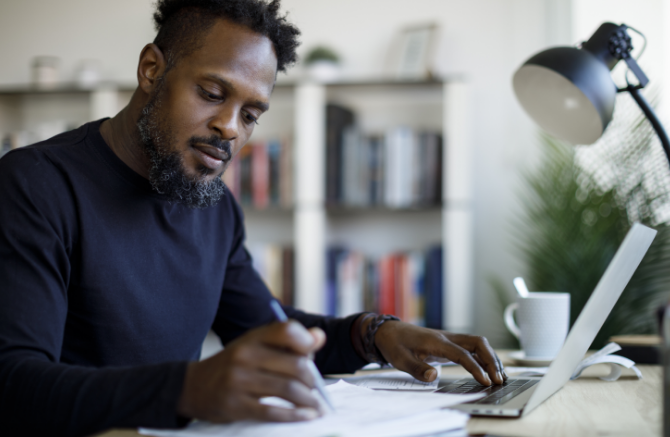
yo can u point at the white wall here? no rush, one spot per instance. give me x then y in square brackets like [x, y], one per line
[113, 32]
[485, 40]
[647, 16]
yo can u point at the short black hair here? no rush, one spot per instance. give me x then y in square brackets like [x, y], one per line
[181, 23]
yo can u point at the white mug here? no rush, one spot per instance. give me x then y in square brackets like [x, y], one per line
[544, 319]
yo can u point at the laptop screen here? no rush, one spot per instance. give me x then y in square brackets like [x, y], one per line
[591, 319]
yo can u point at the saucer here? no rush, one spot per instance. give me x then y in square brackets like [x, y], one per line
[520, 358]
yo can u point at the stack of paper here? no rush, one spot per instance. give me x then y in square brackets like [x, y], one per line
[395, 380]
[359, 411]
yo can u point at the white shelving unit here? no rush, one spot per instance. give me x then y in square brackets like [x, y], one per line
[298, 110]
[378, 105]
[41, 112]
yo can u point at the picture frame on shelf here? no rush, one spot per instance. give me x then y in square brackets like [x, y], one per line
[413, 52]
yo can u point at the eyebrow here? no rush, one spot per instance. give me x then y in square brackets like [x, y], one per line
[264, 106]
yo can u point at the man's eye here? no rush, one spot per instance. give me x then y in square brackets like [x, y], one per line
[250, 118]
[210, 96]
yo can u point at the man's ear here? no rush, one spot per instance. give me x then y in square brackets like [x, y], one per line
[151, 67]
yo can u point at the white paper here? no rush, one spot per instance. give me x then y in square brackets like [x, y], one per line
[526, 371]
[395, 380]
[616, 363]
[359, 411]
[603, 356]
[375, 366]
[608, 349]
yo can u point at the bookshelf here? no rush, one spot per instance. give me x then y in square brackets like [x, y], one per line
[438, 105]
[310, 225]
[31, 114]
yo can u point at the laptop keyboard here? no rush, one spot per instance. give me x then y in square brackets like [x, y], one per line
[496, 394]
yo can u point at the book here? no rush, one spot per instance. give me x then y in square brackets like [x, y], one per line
[375, 171]
[260, 174]
[399, 167]
[404, 284]
[333, 256]
[231, 177]
[433, 288]
[286, 173]
[350, 284]
[431, 168]
[245, 192]
[353, 171]
[274, 171]
[387, 282]
[370, 286]
[338, 118]
[274, 265]
[288, 276]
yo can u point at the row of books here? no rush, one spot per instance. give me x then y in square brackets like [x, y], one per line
[275, 264]
[261, 174]
[400, 168]
[406, 284]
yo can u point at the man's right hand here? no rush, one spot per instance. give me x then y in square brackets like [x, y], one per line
[267, 361]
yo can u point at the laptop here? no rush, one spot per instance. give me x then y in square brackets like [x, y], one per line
[519, 396]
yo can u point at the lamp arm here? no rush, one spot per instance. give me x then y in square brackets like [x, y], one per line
[651, 116]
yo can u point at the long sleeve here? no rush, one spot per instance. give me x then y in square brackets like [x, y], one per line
[40, 395]
[338, 354]
[245, 305]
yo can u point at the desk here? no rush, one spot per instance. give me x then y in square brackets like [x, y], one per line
[588, 406]
[585, 407]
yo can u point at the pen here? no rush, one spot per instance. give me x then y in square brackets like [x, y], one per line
[320, 385]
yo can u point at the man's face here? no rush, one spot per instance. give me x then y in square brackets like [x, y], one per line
[204, 110]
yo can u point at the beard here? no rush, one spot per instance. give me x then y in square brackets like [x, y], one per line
[167, 174]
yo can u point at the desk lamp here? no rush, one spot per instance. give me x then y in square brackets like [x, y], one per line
[569, 92]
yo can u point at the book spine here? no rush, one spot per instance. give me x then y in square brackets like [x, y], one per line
[260, 172]
[387, 299]
[433, 288]
[274, 171]
[402, 301]
[332, 260]
[416, 278]
[286, 173]
[231, 177]
[288, 276]
[338, 118]
[371, 287]
[244, 157]
[351, 166]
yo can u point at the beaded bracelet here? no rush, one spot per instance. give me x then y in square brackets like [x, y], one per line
[372, 353]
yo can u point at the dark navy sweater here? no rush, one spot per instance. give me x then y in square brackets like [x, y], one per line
[107, 291]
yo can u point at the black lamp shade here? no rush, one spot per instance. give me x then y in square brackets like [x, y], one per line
[568, 92]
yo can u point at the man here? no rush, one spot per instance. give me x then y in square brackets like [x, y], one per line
[120, 248]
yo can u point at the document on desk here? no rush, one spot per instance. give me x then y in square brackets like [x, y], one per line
[359, 411]
[395, 380]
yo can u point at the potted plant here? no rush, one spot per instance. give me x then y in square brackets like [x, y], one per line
[322, 64]
[579, 205]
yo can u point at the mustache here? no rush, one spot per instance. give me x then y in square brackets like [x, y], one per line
[214, 141]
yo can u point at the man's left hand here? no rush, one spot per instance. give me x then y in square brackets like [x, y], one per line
[409, 348]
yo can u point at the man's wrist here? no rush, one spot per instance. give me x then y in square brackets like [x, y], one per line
[370, 325]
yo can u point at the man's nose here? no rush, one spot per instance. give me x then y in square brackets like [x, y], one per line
[226, 122]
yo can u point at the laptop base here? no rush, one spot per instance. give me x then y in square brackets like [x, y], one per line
[512, 408]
